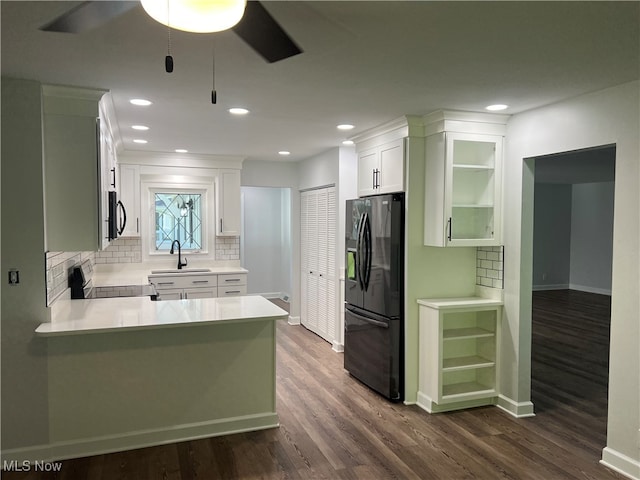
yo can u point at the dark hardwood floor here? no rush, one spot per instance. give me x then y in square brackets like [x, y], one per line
[333, 427]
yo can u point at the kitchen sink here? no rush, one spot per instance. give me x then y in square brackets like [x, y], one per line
[184, 270]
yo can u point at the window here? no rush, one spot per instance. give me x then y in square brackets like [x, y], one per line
[178, 216]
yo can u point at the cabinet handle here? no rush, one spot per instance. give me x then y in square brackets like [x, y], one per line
[231, 291]
[165, 283]
[232, 280]
[199, 281]
[221, 225]
[137, 225]
[113, 184]
[450, 224]
[373, 175]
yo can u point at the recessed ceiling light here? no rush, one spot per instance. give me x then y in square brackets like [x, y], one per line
[238, 111]
[181, 150]
[348, 142]
[345, 126]
[139, 127]
[139, 140]
[497, 107]
[284, 152]
[140, 101]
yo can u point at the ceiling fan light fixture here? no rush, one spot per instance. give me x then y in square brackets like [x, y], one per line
[198, 16]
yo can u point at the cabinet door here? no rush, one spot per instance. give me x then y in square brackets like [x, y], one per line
[391, 171]
[472, 183]
[463, 178]
[130, 197]
[367, 167]
[170, 294]
[72, 184]
[191, 293]
[228, 203]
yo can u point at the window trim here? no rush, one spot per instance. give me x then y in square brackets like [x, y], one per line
[182, 184]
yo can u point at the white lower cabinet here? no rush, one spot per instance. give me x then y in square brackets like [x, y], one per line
[185, 286]
[232, 285]
[459, 353]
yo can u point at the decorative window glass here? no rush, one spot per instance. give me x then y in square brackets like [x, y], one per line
[178, 216]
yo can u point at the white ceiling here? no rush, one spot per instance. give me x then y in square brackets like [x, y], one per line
[364, 63]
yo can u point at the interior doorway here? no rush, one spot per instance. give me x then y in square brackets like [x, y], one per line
[265, 240]
[571, 298]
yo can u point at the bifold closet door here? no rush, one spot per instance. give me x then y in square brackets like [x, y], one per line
[318, 261]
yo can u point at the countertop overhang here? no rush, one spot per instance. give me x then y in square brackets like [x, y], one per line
[77, 317]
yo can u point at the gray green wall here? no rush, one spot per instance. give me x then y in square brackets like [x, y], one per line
[25, 408]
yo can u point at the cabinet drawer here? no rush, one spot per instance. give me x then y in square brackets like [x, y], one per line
[184, 281]
[232, 290]
[232, 279]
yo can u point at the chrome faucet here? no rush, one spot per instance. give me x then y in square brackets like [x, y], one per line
[180, 264]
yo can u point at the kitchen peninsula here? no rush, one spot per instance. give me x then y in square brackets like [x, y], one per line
[129, 372]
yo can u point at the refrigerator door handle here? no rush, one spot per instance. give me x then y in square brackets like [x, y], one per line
[369, 320]
[359, 252]
[367, 252]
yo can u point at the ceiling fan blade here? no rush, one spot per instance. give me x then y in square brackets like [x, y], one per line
[88, 15]
[262, 33]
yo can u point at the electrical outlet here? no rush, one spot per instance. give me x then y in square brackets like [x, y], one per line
[14, 277]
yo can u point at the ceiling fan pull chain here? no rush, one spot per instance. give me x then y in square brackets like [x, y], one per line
[168, 60]
[214, 95]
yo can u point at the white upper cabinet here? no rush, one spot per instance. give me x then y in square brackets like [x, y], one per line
[228, 203]
[463, 185]
[382, 155]
[381, 169]
[73, 180]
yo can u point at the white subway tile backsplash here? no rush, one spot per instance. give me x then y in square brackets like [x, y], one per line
[228, 248]
[121, 250]
[490, 267]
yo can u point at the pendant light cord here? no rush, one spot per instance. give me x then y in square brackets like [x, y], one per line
[214, 95]
[168, 60]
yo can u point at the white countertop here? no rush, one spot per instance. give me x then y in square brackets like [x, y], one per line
[74, 317]
[459, 302]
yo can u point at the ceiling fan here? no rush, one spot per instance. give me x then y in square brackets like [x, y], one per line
[257, 27]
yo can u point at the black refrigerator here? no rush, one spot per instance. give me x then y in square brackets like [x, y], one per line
[374, 293]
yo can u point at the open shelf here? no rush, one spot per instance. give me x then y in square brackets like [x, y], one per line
[469, 332]
[466, 363]
[465, 389]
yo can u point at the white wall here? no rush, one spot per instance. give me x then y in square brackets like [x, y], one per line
[606, 117]
[592, 237]
[265, 240]
[552, 236]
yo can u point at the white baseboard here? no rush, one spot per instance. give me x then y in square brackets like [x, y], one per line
[86, 447]
[517, 409]
[621, 463]
[557, 286]
[294, 320]
[337, 347]
[586, 288]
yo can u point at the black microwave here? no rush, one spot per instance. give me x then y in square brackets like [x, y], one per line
[117, 219]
